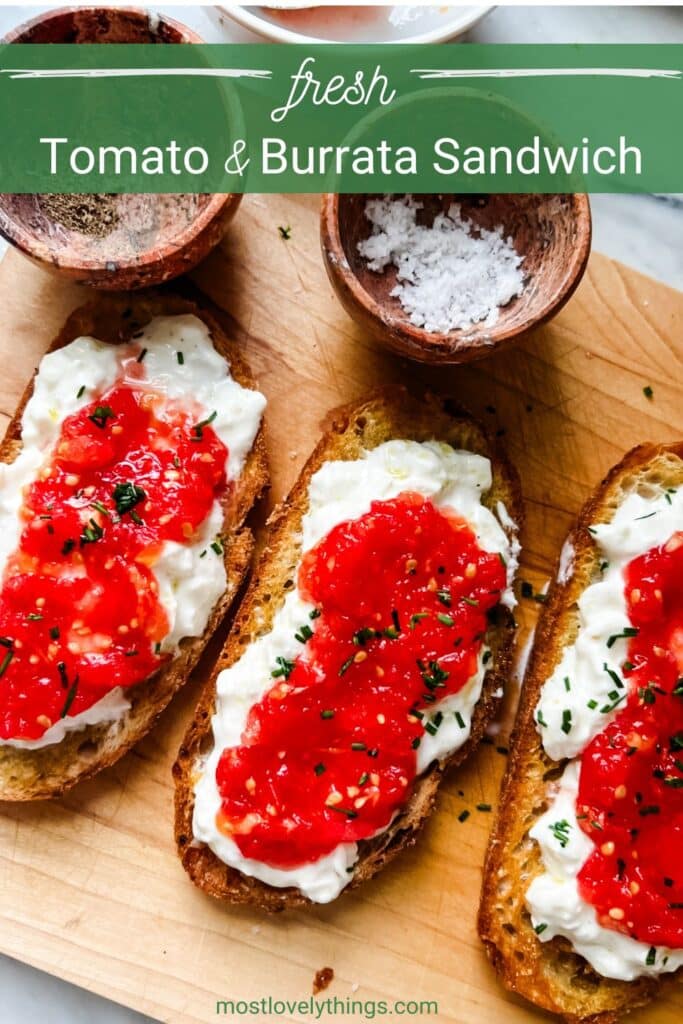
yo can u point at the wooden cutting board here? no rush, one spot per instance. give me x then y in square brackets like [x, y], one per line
[90, 886]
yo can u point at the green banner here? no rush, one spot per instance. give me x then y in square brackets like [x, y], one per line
[269, 118]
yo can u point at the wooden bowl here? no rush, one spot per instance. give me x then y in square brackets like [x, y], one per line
[108, 242]
[552, 233]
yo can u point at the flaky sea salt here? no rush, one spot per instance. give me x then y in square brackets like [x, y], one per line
[448, 278]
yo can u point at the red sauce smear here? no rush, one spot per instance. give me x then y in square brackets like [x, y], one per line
[329, 755]
[79, 609]
[630, 799]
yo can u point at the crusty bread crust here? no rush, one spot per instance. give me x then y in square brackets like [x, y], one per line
[364, 425]
[51, 771]
[551, 974]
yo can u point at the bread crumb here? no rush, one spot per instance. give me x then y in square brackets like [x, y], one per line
[355, 986]
[322, 979]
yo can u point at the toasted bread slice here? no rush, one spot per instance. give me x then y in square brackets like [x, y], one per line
[49, 771]
[551, 974]
[353, 429]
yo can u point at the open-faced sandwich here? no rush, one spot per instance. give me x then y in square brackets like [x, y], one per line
[369, 653]
[125, 478]
[582, 904]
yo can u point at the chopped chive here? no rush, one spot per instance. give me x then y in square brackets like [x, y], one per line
[652, 952]
[463, 816]
[444, 595]
[304, 634]
[560, 829]
[592, 704]
[540, 928]
[81, 391]
[541, 720]
[527, 590]
[198, 428]
[142, 355]
[566, 721]
[567, 684]
[315, 614]
[436, 677]
[69, 699]
[471, 601]
[648, 392]
[459, 719]
[484, 807]
[285, 232]
[91, 533]
[327, 713]
[101, 508]
[284, 668]
[445, 620]
[627, 632]
[126, 496]
[132, 653]
[416, 743]
[4, 664]
[180, 357]
[101, 414]
[363, 778]
[346, 665]
[68, 546]
[618, 682]
[342, 810]
[358, 746]
[34, 617]
[54, 632]
[414, 619]
[216, 546]
[361, 636]
[319, 768]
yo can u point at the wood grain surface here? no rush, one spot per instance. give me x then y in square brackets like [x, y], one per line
[90, 887]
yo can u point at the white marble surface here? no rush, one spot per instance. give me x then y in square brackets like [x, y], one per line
[642, 231]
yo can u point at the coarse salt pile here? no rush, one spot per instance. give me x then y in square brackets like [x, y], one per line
[447, 277]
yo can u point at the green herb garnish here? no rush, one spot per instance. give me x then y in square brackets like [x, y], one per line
[126, 496]
[560, 829]
[198, 428]
[284, 668]
[69, 698]
[91, 532]
[101, 414]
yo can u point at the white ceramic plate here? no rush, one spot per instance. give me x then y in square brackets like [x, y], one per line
[364, 24]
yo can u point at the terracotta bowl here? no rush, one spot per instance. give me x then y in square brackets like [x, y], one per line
[552, 233]
[107, 242]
